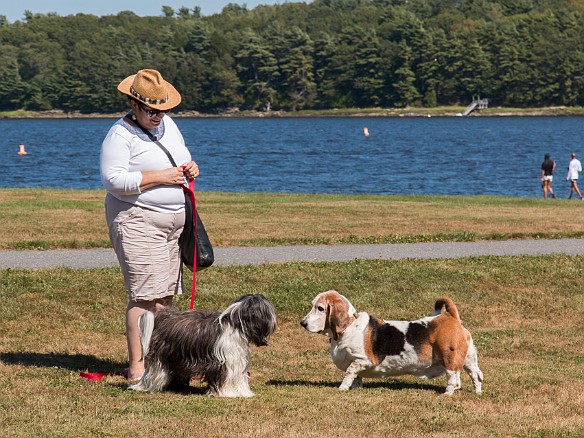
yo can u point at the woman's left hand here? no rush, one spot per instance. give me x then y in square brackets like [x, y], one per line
[191, 170]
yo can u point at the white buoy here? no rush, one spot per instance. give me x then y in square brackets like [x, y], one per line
[22, 151]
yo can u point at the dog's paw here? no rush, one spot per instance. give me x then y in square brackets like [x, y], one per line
[136, 387]
[449, 391]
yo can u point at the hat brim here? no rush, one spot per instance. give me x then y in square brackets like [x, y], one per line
[174, 97]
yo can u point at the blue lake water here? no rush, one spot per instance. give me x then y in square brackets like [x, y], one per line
[437, 155]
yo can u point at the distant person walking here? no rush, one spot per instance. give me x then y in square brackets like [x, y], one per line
[573, 169]
[547, 170]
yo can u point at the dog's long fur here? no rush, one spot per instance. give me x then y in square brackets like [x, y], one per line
[215, 346]
[365, 346]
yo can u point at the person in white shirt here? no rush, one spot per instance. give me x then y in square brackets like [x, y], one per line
[145, 204]
[573, 169]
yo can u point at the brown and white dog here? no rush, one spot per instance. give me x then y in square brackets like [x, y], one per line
[365, 346]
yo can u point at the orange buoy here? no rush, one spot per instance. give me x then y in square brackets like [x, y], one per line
[22, 151]
[366, 132]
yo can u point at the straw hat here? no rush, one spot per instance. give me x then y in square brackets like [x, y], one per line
[148, 87]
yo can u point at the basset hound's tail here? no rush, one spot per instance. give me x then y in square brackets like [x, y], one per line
[450, 307]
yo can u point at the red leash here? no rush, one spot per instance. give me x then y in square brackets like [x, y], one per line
[190, 190]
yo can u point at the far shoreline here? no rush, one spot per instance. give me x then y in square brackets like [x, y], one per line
[450, 111]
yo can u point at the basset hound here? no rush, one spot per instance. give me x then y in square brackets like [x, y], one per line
[365, 346]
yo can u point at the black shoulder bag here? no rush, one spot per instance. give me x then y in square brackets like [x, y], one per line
[194, 236]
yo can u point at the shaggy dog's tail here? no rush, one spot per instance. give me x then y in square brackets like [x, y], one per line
[146, 327]
[450, 307]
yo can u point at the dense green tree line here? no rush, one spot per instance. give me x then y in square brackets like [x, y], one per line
[325, 54]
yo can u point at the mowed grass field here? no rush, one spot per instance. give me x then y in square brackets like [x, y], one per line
[49, 219]
[525, 314]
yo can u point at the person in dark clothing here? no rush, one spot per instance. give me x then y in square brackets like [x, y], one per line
[547, 169]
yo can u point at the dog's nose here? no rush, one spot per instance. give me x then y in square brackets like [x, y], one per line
[303, 323]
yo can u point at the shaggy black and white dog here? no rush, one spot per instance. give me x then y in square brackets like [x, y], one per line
[212, 345]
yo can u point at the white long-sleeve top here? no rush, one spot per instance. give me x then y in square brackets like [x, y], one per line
[573, 168]
[126, 151]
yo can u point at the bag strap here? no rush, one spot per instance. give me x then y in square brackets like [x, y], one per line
[190, 192]
[153, 138]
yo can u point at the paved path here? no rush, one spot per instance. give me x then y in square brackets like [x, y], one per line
[95, 258]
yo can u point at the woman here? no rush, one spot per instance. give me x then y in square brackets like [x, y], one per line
[144, 205]
[547, 169]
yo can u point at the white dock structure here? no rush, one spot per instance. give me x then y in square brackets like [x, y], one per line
[477, 103]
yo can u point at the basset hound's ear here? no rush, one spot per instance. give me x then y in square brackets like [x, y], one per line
[338, 317]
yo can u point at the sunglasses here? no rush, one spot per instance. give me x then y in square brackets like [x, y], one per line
[151, 112]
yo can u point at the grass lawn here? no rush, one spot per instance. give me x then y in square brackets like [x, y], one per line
[525, 314]
[48, 219]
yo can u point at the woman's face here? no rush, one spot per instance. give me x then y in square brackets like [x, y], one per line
[148, 117]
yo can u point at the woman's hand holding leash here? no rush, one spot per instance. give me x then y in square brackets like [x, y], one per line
[191, 170]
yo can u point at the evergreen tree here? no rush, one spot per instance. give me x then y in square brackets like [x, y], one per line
[297, 69]
[258, 69]
[11, 87]
[405, 92]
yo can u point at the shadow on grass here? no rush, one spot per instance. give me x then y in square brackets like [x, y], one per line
[186, 389]
[174, 388]
[74, 362]
[387, 384]
[83, 362]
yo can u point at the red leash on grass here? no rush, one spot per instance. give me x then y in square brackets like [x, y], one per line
[190, 191]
